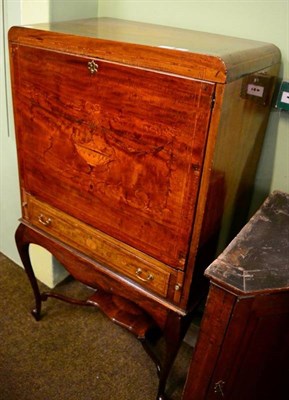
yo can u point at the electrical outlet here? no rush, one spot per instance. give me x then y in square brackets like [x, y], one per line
[257, 88]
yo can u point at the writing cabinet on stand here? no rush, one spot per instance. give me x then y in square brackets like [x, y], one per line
[137, 144]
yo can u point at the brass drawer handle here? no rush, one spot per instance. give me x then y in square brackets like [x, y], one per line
[92, 67]
[148, 278]
[44, 221]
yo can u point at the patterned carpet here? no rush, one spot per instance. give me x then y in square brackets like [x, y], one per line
[73, 353]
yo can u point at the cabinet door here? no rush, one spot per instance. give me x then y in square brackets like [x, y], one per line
[120, 148]
[253, 362]
[242, 350]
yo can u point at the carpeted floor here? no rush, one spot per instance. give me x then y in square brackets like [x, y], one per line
[73, 353]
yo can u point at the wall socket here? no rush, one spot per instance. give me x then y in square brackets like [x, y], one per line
[258, 88]
[255, 90]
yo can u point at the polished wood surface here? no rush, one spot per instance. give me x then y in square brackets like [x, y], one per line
[242, 349]
[214, 324]
[203, 55]
[244, 121]
[125, 143]
[243, 345]
[136, 148]
[107, 250]
[236, 135]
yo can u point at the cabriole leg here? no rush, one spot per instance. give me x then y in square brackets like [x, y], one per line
[22, 243]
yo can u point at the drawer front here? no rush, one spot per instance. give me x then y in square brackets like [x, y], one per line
[117, 147]
[146, 271]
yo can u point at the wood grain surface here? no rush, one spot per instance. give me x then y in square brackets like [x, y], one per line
[125, 146]
[201, 55]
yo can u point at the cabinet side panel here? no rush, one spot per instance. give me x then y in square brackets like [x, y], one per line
[234, 145]
[213, 328]
[239, 143]
[254, 360]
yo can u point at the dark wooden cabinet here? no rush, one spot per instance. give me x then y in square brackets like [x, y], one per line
[137, 145]
[243, 347]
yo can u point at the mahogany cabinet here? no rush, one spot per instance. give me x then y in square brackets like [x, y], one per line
[242, 351]
[137, 145]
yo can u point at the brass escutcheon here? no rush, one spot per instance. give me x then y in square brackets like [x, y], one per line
[92, 66]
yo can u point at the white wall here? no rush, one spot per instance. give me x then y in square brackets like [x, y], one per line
[63, 10]
[9, 191]
[33, 11]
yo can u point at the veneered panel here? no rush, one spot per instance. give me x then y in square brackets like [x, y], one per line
[120, 149]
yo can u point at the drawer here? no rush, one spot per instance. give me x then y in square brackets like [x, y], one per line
[149, 273]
